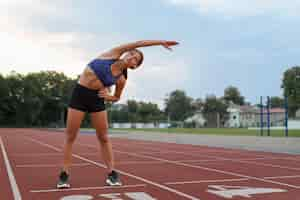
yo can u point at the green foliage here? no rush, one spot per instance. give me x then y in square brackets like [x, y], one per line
[277, 102]
[215, 110]
[135, 111]
[178, 105]
[35, 99]
[233, 94]
[217, 131]
[291, 87]
[41, 99]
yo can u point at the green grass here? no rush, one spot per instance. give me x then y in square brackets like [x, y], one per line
[220, 131]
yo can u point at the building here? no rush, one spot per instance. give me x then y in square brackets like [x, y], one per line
[250, 116]
[298, 114]
[139, 125]
[197, 119]
[234, 116]
[241, 116]
[277, 117]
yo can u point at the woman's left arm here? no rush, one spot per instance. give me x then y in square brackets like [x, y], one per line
[120, 84]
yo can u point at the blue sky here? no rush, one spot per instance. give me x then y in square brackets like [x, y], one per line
[247, 44]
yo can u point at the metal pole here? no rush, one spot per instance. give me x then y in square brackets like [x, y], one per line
[286, 116]
[218, 120]
[261, 117]
[268, 114]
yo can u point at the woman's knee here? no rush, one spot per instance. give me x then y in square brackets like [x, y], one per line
[71, 136]
[102, 136]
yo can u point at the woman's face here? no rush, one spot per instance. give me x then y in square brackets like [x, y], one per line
[132, 59]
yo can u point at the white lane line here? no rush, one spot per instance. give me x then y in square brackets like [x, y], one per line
[267, 165]
[207, 181]
[223, 159]
[283, 177]
[138, 162]
[88, 188]
[207, 160]
[49, 154]
[91, 154]
[237, 152]
[142, 179]
[212, 158]
[38, 166]
[291, 158]
[252, 161]
[12, 179]
[247, 161]
[44, 144]
[205, 168]
[122, 172]
[36, 154]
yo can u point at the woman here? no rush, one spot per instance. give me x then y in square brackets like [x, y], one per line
[90, 94]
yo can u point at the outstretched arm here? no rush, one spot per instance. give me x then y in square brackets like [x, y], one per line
[119, 50]
[143, 43]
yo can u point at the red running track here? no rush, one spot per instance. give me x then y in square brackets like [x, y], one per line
[30, 161]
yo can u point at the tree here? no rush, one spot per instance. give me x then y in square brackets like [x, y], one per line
[133, 108]
[148, 111]
[135, 111]
[35, 99]
[197, 105]
[4, 103]
[291, 87]
[233, 94]
[213, 109]
[55, 90]
[178, 105]
[276, 102]
[15, 99]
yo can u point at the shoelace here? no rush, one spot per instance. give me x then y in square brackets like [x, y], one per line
[114, 175]
[63, 176]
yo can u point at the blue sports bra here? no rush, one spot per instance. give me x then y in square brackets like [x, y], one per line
[102, 69]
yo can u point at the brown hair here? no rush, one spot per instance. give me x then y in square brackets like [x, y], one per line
[142, 56]
[125, 73]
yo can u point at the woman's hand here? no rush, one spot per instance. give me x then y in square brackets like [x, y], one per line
[104, 93]
[167, 44]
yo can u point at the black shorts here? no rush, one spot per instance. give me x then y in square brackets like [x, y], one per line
[86, 100]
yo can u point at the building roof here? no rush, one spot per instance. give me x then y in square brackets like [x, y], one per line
[254, 109]
[247, 108]
[298, 113]
[275, 110]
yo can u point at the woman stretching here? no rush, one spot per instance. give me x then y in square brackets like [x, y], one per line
[91, 92]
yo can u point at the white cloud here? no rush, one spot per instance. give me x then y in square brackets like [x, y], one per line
[241, 7]
[153, 81]
[35, 51]
[27, 48]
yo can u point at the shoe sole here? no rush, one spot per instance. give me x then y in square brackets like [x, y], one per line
[108, 182]
[63, 186]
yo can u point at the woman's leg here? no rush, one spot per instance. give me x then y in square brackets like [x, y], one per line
[74, 119]
[100, 123]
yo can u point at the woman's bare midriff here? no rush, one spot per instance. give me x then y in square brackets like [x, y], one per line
[89, 79]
